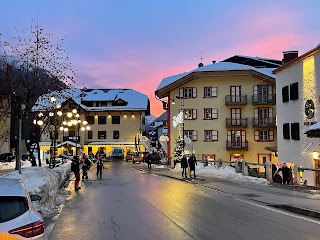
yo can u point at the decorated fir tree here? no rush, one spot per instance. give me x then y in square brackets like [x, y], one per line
[178, 146]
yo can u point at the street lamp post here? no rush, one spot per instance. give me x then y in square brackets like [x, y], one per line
[18, 160]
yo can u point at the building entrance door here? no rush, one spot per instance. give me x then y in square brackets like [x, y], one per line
[317, 165]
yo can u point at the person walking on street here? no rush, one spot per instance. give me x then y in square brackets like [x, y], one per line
[149, 160]
[184, 166]
[192, 164]
[75, 168]
[99, 167]
[286, 174]
[85, 168]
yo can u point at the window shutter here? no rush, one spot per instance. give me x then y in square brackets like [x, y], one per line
[194, 92]
[255, 90]
[243, 136]
[229, 136]
[180, 92]
[271, 135]
[194, 135]
[214, 113]
[270, 112]
[256, 135]
[286, 131]
[270, 89]
[194, 113]
[215, 135]
[256, 113]
[285, 94]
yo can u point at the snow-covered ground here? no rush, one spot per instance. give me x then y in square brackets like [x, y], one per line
[43, 181]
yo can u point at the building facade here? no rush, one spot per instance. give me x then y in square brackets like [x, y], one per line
[229, 111]
[298, 98]
[103, 119]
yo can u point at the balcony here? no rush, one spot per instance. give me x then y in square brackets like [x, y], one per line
[237, 145]
[231, 100]
[236, 123]
[263, 99]
[264, 122]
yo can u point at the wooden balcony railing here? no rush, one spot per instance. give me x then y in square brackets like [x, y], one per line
[264, 122]
[241, 123]
[237, 145]
[231, 100]
[264, 99]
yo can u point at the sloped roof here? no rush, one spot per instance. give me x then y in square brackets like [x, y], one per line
[136, 100]
[226, 67]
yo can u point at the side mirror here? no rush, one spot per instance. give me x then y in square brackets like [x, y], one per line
[35, 198]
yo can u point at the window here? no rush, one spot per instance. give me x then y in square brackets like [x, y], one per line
[116, 134]
[192, 134]
[294, 91]
[90, 134]
[286, 131]
[210, 92]
[188, 92]
[210, 113]
[115, 119]
[295, 131]
[72, 133]
[209, 157]
[102, 120]
[102, 134]
[210, 135]
[285, 94]
[190, 114]
[263, 135]
[12, 207]
[90, 120]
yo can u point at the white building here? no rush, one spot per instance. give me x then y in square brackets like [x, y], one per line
[298, 99]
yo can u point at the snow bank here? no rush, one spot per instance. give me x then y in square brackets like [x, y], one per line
[45, 182]
[12, 165]
[226, 173]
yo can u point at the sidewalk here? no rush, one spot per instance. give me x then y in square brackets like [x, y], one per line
[298, 199]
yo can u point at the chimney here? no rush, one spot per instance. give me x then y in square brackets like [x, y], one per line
[288, 56]
[200, 65]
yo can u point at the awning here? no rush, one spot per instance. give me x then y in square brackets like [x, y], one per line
[112, 143]
[313, 131]
[68, 143]
[271, 149]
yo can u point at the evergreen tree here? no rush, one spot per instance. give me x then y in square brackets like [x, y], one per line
[178, 146]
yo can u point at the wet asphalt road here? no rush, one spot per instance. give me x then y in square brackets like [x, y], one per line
[130, 204]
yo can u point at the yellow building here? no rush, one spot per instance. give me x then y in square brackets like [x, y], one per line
[229, 111]
[101, 119]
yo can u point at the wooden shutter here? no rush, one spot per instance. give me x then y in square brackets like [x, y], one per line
[194, 135]
[255, 90]
[257, 135]
[270, 89]
[270, 112]
[194, 92]
[194, 113]
[214, 113]
[181, 92]
[271, 135]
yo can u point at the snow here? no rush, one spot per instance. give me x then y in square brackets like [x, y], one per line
[220, 66]
[42, 181]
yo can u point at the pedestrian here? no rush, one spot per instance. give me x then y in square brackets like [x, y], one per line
[75, 168]
[276, 177]
[99, 167]
[184, 166]
[192, 164]
[286, 174]
[85, 168]
[149, 160]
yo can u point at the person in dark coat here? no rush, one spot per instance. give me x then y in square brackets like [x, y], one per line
[85, 168]
[75, 168]
[99, 167]
[276, 177]
[192, 164]
[149, 160]
[286, 174]
[184, 166]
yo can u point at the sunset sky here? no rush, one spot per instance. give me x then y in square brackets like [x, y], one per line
[135, 44]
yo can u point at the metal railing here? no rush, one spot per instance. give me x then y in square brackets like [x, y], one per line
[264, 99]
[231, 122]
[264, 122]
[235, 100]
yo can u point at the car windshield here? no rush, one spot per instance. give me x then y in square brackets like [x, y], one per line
[12, 207]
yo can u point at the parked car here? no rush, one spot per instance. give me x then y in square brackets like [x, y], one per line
[129, 157]
[6, 157]
[138, 157]
[17, 215]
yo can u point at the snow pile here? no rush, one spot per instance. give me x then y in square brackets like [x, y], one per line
[12, 165]
[226, 173]
[45, 182]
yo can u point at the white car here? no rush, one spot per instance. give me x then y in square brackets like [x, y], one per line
[17, 215]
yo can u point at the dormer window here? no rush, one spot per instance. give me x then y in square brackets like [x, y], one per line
[119, 102]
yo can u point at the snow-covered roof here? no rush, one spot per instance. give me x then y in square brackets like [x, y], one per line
[135, 100]
[220, 66]
[268, 60]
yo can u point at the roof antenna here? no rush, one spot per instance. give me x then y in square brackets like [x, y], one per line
[201, 58]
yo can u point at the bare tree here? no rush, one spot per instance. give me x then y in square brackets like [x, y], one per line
[32, 65]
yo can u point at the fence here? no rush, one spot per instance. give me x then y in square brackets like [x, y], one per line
[242, 166]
